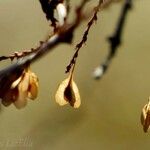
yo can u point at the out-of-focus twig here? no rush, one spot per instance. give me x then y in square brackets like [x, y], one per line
[114, 40]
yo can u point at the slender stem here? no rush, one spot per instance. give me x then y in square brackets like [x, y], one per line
[114, 40]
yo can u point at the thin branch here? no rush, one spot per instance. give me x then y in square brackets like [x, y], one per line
[102, 4]
[114, 40]
[63, 35]
[84, 38]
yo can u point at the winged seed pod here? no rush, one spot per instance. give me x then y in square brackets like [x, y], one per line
[26, 86]
[145, 116]
[23, 85]
[33, 86]
[68, 92]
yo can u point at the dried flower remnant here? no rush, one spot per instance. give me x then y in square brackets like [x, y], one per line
[145, 116]
[26, 86]
[68, 92]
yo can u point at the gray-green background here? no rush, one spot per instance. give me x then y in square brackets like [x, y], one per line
[108, 118]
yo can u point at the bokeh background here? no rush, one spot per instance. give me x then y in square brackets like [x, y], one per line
[109, 117]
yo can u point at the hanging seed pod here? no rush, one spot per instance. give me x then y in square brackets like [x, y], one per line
[68, 93]
[33, 86]
[23, 86]
[145, 116]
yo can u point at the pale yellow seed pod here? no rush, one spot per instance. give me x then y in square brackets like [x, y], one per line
[59, 96]
[145, 117]
[68, 92]
[23, 86]
[33, 86]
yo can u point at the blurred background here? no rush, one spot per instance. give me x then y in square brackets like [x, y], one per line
[109, 117]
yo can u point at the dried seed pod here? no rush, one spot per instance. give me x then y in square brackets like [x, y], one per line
[23, 86]
[68, 93]
[33, 86]
[145, 116]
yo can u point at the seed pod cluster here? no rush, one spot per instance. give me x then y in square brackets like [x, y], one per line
[26, 86]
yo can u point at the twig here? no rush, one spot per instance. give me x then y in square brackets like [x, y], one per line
[84, 38]
[114, 40]
[63, 35]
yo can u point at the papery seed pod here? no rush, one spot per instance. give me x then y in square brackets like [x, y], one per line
[33, 86]
[68, 93]
[145, 117]
[59, 96]
[23, 86]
